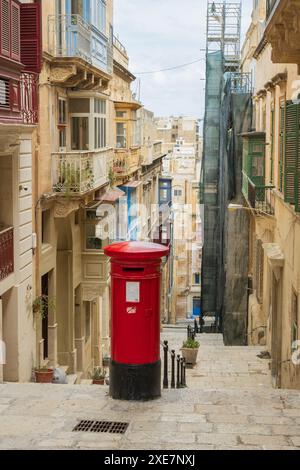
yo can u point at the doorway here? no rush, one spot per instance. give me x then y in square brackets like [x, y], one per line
[276, 327]
[45, 319]
[196, 307]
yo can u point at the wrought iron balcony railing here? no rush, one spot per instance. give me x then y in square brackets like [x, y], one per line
[29, 97]
[119, 45]
[260, 198]
[270, 7]
[81, 171]
[6, 252]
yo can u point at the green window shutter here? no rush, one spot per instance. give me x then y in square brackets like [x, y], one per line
[291, 152]
[272, 145]
[282, 145]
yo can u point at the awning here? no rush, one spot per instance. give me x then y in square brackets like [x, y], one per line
[132, 184]
[111, 196]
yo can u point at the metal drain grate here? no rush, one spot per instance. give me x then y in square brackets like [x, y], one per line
[111, 427]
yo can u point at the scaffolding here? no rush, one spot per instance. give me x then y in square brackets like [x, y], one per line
[224, 32]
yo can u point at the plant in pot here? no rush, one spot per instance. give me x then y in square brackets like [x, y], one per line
[42, 305]
[190, 350]
[99, 376]
[43, 375]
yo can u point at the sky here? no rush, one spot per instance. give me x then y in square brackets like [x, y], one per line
[164, 33]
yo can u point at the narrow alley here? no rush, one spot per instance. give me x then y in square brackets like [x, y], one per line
[229, 404]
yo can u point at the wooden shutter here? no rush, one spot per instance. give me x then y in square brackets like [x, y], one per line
[31, 45]
[297, 195]
[15, 31]
[291, 152]
[282, 144]
[272, 136]
[5, 27]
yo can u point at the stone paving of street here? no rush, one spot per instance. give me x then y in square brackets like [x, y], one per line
[229, 404]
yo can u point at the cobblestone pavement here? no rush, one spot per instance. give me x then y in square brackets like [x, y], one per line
[229, 404]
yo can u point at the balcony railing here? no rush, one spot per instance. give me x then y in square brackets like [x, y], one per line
[69, 36]
[270, 7]
[6, 252]
[72, 36]
[126, 162]
[119, 45]
[29, 97]
[260, 198]
[80, 172]
[157, 150]
[240, 82]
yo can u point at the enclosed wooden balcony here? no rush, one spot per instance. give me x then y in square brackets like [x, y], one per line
[81, 55]
[78, 172]
[283, 30]
[6, 252]
[126, 161]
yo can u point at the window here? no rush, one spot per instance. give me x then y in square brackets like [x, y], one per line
[93, 230]
[259, 273]
[62, 117]
[80, 133]
[62, 123]
[100, 123]
[4, 93]
[121, 114]
[294, 322]
[177, 192]
[88, 314]
[197, 278]
[99, 14]
[121, 135]
[46, 227]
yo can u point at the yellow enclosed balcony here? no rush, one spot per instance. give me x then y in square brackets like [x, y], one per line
[126, 161]
[79, 172]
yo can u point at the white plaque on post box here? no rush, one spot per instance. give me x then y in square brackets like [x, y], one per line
[132, 292]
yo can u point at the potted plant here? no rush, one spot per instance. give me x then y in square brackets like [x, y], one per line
[190, 350]
[42, 305]
[43, 375]
[99, 376]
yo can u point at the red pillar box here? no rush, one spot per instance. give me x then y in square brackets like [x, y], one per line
[135, 369]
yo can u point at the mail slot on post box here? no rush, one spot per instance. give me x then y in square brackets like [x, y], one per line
[135, 368]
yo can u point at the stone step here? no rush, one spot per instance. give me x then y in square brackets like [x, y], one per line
[86, 382]
[72, 379]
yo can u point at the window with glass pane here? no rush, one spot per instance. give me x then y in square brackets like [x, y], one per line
[93, 236]
[121, 135]
[80, 133]
[100, 123]
[62, 138]
[121, 114]
[62, 116]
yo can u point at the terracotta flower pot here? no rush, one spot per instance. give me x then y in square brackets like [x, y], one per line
[190, 355]
[98, 381]
[44, 376]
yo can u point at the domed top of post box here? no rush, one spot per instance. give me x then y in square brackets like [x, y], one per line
[136, 250]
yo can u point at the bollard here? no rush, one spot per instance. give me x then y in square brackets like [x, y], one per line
[196, 326]
[178, 372]
[201, 323]
[173, 369]
[188, 332]
[184, 373]
[166, 349]
[181, 373]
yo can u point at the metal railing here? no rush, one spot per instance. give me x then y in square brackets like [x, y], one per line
[72, 36]
[270, 4]
[6, 252]
[259, 197]
[119, 45]
[29, 97]
[127, 161]
[240, 82]
[80, 172]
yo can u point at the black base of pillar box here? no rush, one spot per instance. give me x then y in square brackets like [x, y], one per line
[135, 382]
